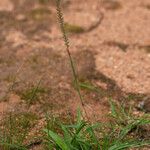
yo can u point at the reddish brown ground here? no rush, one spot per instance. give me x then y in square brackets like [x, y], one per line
[114, 56]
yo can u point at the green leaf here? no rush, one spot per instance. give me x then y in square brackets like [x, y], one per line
[79, 116]
[13, 146]
[120, 146]
[113, 108]
[87, 86]
[59, 140]
[131, 126]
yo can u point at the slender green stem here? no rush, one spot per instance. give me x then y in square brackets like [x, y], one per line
[66, 41]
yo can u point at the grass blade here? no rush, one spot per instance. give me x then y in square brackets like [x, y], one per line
[59, 140]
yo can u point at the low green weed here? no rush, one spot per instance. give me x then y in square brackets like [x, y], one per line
[116, 135]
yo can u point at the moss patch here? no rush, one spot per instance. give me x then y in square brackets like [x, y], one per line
[70, 28]
[47, 2]
[1, 61]
[146, 48]
[44, 1]
[120, 45]
[40, 14]
[147, 6]
[111, 5]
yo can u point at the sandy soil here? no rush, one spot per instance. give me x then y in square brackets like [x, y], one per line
[114, 55]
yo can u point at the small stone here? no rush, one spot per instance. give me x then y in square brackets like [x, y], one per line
[20, 17]
[145, 105]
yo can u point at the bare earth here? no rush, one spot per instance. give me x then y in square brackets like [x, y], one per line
[114, 56]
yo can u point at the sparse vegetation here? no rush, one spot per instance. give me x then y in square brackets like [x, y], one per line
[120, 133]
[10, 78]
[15, 130]
[32, 95]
